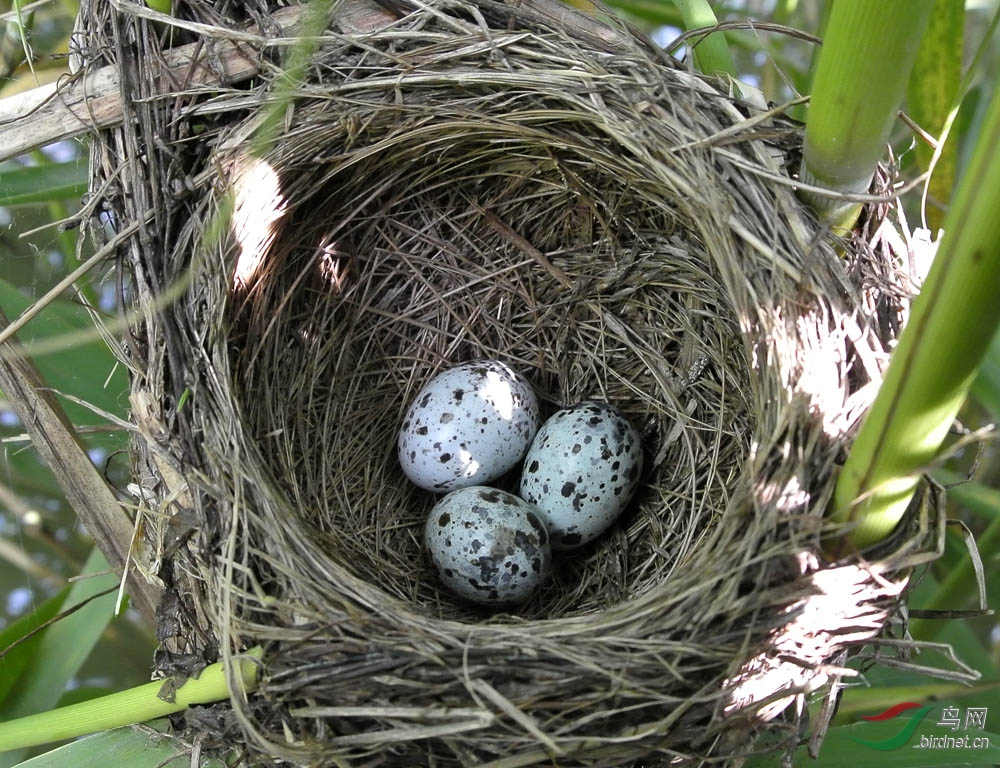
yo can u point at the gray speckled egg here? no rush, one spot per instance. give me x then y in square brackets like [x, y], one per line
[581, 471]
[468, 426]
[488, 545]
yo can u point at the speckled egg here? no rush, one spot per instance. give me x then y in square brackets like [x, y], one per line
[488, 545]
[581, 471]
[468, 426]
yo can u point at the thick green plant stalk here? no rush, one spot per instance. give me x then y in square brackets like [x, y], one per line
[136, 705]
[860, 79]
[951, 325]
[711, 53]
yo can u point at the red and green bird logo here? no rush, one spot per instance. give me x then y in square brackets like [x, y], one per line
[895, 742]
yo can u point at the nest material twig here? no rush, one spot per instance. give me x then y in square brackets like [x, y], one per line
[474, 180]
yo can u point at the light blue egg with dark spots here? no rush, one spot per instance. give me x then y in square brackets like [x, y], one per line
[581, 471]
[488, 546]
[468, 426]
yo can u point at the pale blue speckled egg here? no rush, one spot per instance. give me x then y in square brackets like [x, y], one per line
[488, 545]
[468, 426]
[581, 471]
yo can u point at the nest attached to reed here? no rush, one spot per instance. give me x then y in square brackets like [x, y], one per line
[452, 180]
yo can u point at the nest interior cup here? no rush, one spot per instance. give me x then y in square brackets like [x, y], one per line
[498, 248]
[452, 181]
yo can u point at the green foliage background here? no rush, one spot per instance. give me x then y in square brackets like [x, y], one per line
[42, 545]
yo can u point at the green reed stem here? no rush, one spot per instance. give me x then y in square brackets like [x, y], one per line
[951, 325]
[860, 80]
[711, 53]
[136, 705]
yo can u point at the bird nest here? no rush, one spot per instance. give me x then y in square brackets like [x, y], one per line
[402, 188]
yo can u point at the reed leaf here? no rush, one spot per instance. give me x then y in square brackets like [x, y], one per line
[931, 98]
